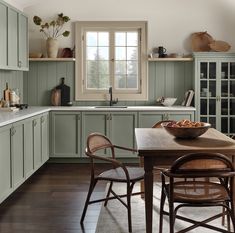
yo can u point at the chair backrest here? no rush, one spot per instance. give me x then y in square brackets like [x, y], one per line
[202, 163]
[97, 142]
[158, 124]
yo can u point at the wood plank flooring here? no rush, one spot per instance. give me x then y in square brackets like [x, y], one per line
[51, 201]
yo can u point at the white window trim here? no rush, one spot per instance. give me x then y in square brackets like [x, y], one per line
[80, 94]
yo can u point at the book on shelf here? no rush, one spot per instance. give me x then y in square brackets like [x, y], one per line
[188, 98]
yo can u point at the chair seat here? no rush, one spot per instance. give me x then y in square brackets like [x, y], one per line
[135, 173]
[199, 191]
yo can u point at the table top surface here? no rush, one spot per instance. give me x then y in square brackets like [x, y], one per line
[158, 141]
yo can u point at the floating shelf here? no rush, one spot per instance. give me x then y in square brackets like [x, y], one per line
[171, 59]
[52, 59]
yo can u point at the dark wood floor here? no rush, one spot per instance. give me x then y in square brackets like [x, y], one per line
[52, 201]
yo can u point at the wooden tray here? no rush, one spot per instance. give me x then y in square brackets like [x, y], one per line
[219, 46]
[200, 41]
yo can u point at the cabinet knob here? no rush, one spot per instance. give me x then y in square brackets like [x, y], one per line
[110, 117]
[42, 119]
[107, 117]
[20, 64]
[13, 131]
[34, 123]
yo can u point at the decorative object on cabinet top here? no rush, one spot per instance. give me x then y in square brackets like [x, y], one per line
[204, 42]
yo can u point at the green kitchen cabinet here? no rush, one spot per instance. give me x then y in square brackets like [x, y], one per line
[148, 119]
[65, 134]
[37, 150]
[28, 148]
[17, 153]
[23, 61]
[14, 38]
[3, 35]
[118, 126]
[215, 90]
[45, 137]
[5, 162]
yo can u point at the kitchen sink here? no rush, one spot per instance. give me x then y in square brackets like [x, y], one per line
[115, 106]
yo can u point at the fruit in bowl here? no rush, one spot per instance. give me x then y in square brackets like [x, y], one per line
[186, 129]
[166, 101]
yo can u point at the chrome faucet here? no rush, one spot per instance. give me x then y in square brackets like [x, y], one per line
[111, 101]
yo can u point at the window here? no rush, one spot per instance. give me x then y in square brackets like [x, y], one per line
[111, 54]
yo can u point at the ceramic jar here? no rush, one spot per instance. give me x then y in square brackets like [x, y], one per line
[52, 47]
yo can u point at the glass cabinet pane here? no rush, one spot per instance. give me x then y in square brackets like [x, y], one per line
[232, 125]
[232, 88]
[224, 107]
[203, 70]
[212, 89]
[232, 70]
[232, 106]
[212, 107]
[203, 107]
[224, 125]
[212, 121]
[203, 119]
[224, 88]
[224, 70]
[212, 70]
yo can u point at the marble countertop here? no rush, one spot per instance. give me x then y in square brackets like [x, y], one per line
[11, 117]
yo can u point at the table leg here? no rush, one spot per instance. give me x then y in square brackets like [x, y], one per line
[148, 186]
[141, 164]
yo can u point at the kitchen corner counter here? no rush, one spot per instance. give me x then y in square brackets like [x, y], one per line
[11, 117]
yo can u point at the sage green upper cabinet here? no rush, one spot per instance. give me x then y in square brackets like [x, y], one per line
[3, 35]
[13, 38]
[65, 134]
[17, 147]
[148, 119]
[23, 61]
[215, 90]
[5, 162]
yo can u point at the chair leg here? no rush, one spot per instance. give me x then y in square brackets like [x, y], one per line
[163, 198]
[108, 193]
[129, 191]
[91, 188]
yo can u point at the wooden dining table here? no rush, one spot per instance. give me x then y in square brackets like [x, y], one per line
[158, 147]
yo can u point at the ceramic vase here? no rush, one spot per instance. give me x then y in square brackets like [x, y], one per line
[52, 47]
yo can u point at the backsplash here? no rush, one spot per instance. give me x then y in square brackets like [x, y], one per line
[169, 79]
[14, 80]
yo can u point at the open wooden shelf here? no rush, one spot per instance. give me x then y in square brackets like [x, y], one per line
[171, 59]
[52, 59]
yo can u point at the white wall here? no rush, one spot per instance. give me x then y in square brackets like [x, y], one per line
[170, 22]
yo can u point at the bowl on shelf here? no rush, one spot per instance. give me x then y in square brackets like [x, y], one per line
[186, 132]
[168, 101]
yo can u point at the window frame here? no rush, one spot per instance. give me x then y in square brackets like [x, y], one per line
[81, 93]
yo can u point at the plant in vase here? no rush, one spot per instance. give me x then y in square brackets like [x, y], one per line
[52, 30]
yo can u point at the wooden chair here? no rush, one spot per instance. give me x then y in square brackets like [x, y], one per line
[96, 144]
[213, 186]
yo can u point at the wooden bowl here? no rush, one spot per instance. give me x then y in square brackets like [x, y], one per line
[186, 132]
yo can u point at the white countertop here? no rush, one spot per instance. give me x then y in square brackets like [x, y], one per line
[11, 117]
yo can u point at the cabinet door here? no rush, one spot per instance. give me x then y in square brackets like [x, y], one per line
[94, 122]
[37, 143]
[3, 35]
[28, 148]
[122, 131]
[12, 38]
[23, 42]
[17, 150]
[5, 162]
[148, 119]
[45, 137]
[177, 116]
[65, 136]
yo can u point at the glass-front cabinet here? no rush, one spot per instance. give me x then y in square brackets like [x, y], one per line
[215, 90]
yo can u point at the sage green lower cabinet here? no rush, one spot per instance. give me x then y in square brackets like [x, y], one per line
[28, 148]
[37, 142]
[45, 137]
[122, 131]
[17, 153]
[148, 119]
[118, 126]
[65, 134]
[5, 162]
